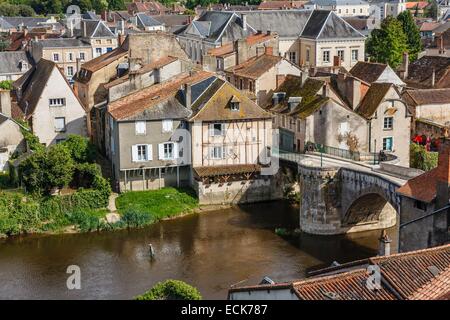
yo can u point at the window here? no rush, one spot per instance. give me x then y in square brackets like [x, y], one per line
[219, 64]
[98, 41]
[70, 56]
[109, 41]
[250, 86]
[167, 151]
[217, 152]
[354, 10]
[420, 205]
[234, 106]
[360, 10]
[340, 54]
[98, 51]
[167, 125]
[109, 49]
[388, 123]
[70, 71]
[307, 55]
[217, 129]
[56, 57]
[60, 124]
[57, 102]
[82, 56]
[241, 84]
[354, 55]
[140, 127]
[141, 152]
[326, 56]
[293, 57]
[387, 144]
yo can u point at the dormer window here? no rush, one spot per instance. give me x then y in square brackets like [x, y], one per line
[277, 97]
[23, 66]
[294, 102]
[234, 104]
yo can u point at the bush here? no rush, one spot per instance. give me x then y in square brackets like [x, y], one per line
[6, 85]
[422, 159]
[81, 149]
[133, 218]
[171, 290]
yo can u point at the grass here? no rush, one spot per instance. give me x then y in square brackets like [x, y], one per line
[163, 203]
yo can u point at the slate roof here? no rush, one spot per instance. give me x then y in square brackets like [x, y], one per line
[420, 72]
[158, 101]
[372, 99]
[255, 67]
[29, 22]
[62, 43]
[94, 29]
[337, 2]
[10, 62]
[214, 104]
[147, 21]
[426, 96]
[367, 71]
[327, 25]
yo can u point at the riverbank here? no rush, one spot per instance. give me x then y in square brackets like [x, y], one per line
[134, 209]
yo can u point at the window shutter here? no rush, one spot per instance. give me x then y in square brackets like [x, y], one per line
[175, 150]
[161, 151]
[224, 149]
[134, 153]
[149, 152]
[222, 129]
[211, 129]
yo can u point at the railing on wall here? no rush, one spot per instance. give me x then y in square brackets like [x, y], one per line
[332, 151]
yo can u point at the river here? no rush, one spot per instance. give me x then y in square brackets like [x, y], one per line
[210, 250]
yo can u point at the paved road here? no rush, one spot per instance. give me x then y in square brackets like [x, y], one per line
[312, 160]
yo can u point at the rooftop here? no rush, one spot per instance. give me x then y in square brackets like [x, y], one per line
[255, 67]
[367, 71]
[427, 96]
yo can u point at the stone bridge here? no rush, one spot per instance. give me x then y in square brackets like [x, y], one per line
[340, 196]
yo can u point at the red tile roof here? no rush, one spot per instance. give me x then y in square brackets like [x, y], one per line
[436, 289]
[274, 5]
[423, 187]
[255, 67]
[419, 4]
[137, 102]
[429, 26]
[104, 60]
[251, 40]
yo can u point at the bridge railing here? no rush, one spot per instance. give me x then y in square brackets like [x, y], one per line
[332, 151]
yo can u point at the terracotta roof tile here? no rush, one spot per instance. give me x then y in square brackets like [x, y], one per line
[372, 99]
[209, 171]
[367, 71]
[427, 96]
[423, 187]
[137, 102]
[103, 60]
[435, 289]
[255, 67]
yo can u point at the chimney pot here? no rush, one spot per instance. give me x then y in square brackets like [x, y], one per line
[385, 244]
[187, 95]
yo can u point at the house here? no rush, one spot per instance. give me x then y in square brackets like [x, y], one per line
[11, 137]
[426, 31]
[261, 74]
[49, 104]
[231, 147]
[152, 7]
[415, 275]
[418, 8]
[424, 206]
[387, 8]
[431, 107]
[148, 46]
[233, 53]
[12, 24]
[147, 23]
[21, 40]
[372, 72]
[306, 37]
[143, 131]
[343, 8]
[427, 72]
[13, 64]
[98, 35]
[67, 53]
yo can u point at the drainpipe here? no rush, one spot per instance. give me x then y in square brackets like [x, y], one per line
[370, 136]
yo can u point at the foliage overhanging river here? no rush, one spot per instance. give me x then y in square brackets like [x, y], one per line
[210, 251]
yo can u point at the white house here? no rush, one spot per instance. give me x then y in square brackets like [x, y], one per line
[49, 104]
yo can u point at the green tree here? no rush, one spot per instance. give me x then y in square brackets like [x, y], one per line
[387, 44]
[80, 148]
[32, 173]
[432, 10]
[116, 5]
[422, 159]
[412, 33]
[59, 167]
[171, 290]
[99, 5]
[6, 85]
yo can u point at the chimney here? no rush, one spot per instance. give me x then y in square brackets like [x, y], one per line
[188, 95]
[268, 51]
[5, 102]
[325, 90]
[433, 78]
[441, 45]
[121, 27]
[84, 28]
[244, 21]
[71, 28]
[385, 244]
[405, 65]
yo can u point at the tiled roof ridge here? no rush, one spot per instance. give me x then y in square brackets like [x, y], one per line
[425, 289]
[409, 253]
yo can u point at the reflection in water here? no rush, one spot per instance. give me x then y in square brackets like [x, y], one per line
[210, 251]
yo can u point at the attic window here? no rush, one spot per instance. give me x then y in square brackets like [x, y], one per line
[277, 97]
[234, 104]
[294, 102]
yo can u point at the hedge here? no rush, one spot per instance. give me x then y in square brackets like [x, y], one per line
[422, 159]
[171, 290]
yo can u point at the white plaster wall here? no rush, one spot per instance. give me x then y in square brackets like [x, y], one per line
[43, 117]
[439, 113]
